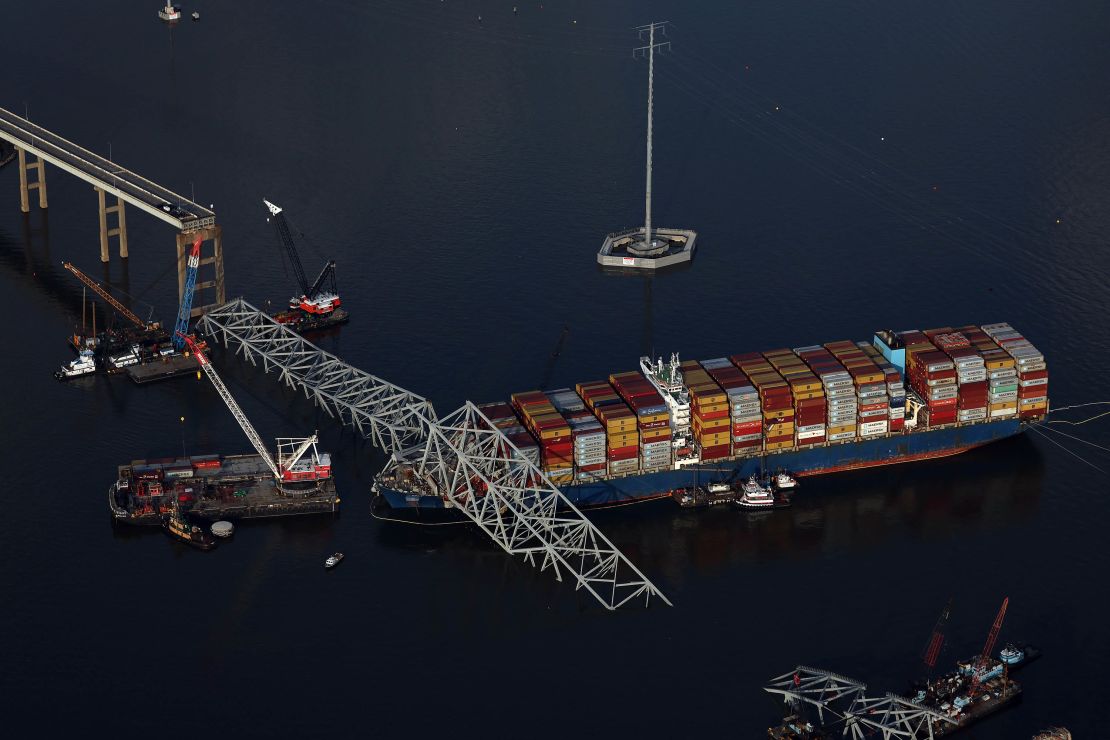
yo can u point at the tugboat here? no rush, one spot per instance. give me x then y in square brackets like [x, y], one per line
[784, 481]
[754, 495]
[85, 364]
[333, 560]
[170, 13]
[177, 527]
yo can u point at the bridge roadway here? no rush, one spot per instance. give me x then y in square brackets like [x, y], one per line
[102, 173]
[463, 457]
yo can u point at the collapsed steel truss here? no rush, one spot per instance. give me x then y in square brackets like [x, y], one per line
[891, 717]
[388, 415]
[472, 465]
[464, 458]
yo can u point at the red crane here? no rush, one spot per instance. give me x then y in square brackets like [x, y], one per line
[932, 650]
[984, 658]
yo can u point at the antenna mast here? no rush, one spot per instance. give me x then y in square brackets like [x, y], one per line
[649, 51]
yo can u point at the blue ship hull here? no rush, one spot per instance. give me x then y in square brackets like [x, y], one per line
[830, 458]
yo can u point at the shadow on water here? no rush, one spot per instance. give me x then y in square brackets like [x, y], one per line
[856, 512]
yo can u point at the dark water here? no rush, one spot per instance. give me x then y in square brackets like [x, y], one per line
[929, 164]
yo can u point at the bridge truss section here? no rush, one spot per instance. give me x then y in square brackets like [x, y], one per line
[473, 466]
[891, 717]
[464, 459]
[389, 416]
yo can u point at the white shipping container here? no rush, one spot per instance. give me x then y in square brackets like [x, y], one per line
[873, 426]
[877, 413]
[972, 415]
[1006, 396]
[841, 436]
[898, 413]
[811, 428]
[1031, 401]
[748, 437]
[1000, 413]
[1032, 383]
[803, 436]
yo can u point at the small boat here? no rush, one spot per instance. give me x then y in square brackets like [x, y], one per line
[170, 13]
[177, 527]
[333, 560]
[754, 495]
[784, 481]
[85, 364]
[195, 16]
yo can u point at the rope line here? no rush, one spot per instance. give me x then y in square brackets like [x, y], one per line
[1065, 449]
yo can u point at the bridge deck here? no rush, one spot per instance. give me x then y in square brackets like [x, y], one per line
[105, 174]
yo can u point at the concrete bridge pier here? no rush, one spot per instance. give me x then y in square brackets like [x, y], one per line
[215, 281]
[119, 230]
[25, 187]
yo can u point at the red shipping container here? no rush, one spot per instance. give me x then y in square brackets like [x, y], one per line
[711, 415]
[596, 467]
[943, 404]
[747, 427]
[715, 452]
[625, 453]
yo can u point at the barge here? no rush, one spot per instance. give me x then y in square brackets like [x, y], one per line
[212, 487]
[903, 397]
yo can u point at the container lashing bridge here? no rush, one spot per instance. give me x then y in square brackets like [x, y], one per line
[462, 457]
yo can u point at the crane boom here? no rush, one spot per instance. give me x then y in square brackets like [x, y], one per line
[95, 287]
[184, 312]
[984, 658]
[287, 240]
[232, 406]
[328, 271]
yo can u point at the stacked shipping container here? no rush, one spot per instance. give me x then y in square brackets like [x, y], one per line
[775, 400]
[552, 432]
[622, 442]
[840, 392]
[709, 415]
[1031, 369]
[808, 393]
[653, 420]
[745, 413]
[502, 416]
[895, 386]
[869, 382]
[932, 374]
[586, 432]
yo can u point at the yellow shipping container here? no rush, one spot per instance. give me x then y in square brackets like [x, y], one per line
[809, 395]
[712, 440]
[1003, 405]
[1034, 406]
[786, 427]
[842, 428]
[780, 414]
[711, 423]
[875, 377]
[622, 440]
[711, 408]
[652, 418]
[779, 445]
[649, 434]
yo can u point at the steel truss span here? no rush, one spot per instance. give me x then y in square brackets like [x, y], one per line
[891, 717]
[463, 458]
[386, 414]
[472, 465]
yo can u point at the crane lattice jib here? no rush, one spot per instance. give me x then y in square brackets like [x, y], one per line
[473, 465]
[328, 271]
[233, 407]
[287, 240]
[95, 287]
[388, 415]
[181, 328]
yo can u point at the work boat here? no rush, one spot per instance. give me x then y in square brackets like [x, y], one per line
[785, 481]
[85, 364]
[754, 495]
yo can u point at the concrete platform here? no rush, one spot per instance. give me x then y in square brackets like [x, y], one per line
[626, 249]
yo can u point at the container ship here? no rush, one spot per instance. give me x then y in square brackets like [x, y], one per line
[639, 435]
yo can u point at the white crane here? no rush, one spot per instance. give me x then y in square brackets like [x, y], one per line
[288, 467]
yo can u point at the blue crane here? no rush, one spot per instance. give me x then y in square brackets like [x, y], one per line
[181, 328]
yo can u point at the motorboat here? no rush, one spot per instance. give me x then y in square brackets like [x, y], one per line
[333, 560]
[784, 481]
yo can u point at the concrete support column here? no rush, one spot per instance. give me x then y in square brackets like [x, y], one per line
[24, 201]
[215, 281]
[119, 230]
[103, 225]
[121, 225]
[25, 186]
